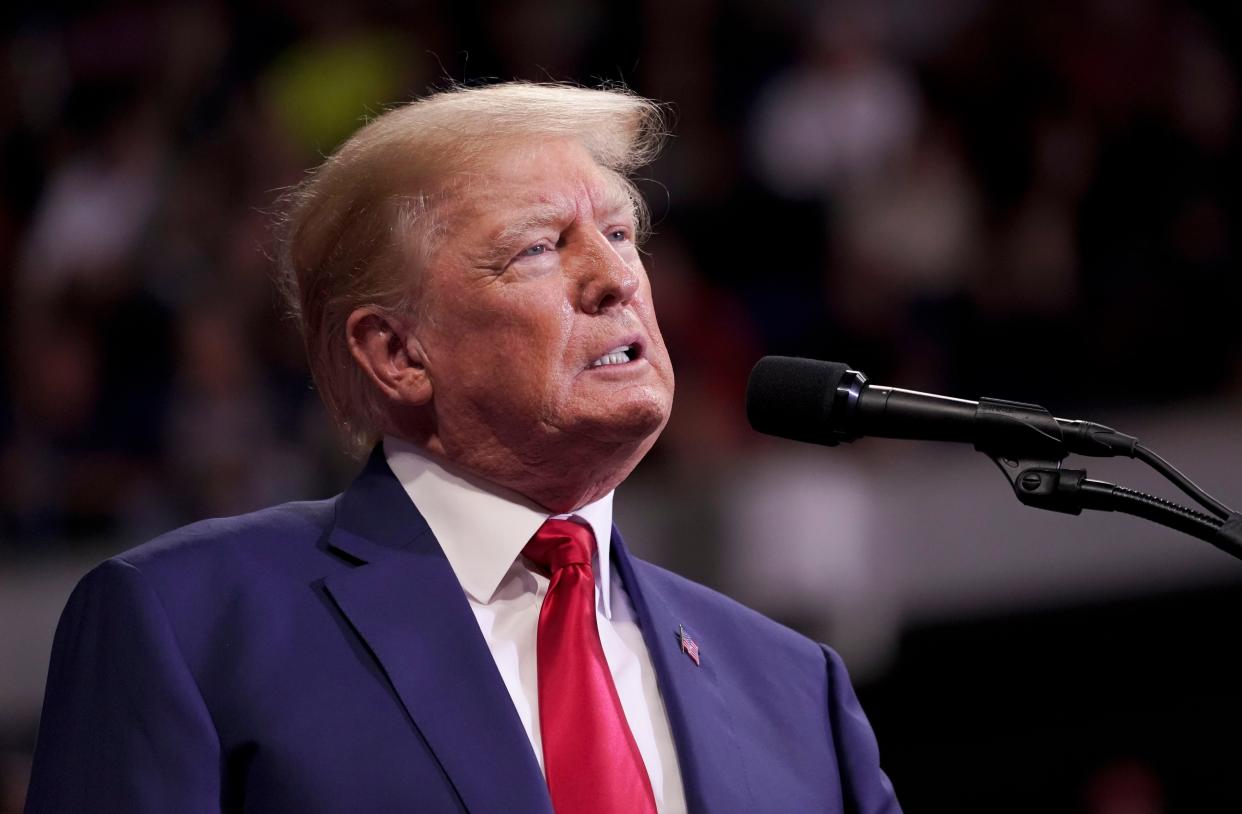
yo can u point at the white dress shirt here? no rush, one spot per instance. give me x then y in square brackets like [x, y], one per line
[483, 529]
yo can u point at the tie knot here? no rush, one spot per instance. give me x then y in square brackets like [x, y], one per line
[559, 543]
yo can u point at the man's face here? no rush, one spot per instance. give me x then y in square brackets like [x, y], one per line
[538, 327]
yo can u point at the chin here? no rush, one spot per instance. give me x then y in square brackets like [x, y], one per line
[636, 422]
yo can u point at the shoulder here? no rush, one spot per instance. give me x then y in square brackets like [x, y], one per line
[203, 568]
[220, 585]
[276, 531]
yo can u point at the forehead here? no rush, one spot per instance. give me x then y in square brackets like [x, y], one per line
[532, 179]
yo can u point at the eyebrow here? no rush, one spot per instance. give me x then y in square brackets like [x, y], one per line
[534, 218]
[616, 202]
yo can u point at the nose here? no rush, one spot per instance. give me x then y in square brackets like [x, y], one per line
[607, 280]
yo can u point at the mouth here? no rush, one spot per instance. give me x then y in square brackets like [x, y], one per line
[620, 355]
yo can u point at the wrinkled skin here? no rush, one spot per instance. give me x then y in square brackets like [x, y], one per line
[536, 276]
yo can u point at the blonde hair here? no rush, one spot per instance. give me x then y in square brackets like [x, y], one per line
[357, 230]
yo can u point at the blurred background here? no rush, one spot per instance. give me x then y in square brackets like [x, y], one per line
[1037, 201]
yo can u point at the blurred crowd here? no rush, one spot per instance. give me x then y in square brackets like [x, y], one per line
[1027, 198]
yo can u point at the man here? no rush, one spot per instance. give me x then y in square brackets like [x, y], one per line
[462, 629]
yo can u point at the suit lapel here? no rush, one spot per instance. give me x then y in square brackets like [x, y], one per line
[713, 771]
[405, 603]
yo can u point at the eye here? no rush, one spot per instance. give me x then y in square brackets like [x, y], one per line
[535, 250]
[619, 235]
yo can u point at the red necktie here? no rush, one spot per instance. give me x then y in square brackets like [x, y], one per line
[591, 761]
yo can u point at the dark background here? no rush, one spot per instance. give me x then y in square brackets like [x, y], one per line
[1033, 200]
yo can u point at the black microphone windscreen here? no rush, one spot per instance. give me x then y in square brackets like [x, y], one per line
[792, 398]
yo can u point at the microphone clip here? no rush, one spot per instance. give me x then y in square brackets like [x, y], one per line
[1043, 484]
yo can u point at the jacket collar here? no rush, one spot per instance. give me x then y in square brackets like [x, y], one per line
[374, 518]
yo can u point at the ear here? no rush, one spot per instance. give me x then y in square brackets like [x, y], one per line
[390, 356]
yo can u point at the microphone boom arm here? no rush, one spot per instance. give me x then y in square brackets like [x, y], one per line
[1044, 484]
[1028, 444]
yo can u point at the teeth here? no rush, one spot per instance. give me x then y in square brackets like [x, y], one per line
[616, 356]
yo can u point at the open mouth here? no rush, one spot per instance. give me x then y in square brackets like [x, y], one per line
[618, 355]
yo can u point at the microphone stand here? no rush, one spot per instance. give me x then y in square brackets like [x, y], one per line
[1031, 459]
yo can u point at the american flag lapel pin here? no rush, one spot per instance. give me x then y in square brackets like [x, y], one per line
[688, 645]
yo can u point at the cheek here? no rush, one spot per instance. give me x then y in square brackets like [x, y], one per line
[659, 351]
[514, 311]
[520, 338]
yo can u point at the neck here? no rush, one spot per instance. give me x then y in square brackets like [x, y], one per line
[559, 483]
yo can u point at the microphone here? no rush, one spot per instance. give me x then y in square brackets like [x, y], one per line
[828, 403]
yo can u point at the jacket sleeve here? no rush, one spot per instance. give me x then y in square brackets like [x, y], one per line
[865, 786]
[124, 727]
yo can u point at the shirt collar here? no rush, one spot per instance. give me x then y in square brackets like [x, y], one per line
[483, 527]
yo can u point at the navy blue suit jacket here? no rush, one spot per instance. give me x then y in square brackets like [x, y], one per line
[322, 657]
